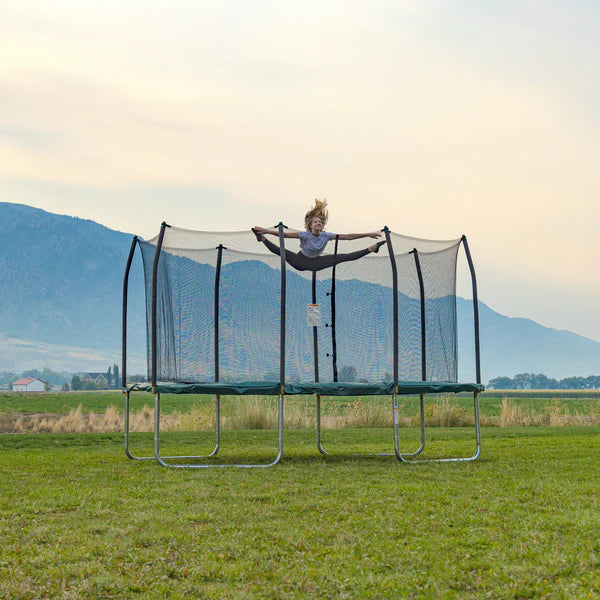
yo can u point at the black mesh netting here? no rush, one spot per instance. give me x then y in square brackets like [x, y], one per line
[355, 335]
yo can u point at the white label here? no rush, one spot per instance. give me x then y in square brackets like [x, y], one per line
[313, 315]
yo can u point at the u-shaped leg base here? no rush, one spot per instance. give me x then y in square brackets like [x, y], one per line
[162, 460]
[405, 458]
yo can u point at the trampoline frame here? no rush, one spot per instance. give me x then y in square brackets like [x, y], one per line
[403, 457]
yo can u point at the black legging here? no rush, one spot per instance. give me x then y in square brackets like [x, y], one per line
[301, 262]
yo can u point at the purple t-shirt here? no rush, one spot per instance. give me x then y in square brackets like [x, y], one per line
[313, 245]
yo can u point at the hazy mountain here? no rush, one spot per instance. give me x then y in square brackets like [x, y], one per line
[516, 345]
[62, 280]
[62, 283]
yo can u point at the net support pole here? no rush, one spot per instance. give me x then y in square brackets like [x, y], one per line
[332, 324]
[124, 323]
[162, 459]
[421, 447]
[315, 329]
[477, 453]
[316, 369]
[388, 239]
[475, 308]
[124, 350]
[280, 227]
[415, 253]
[159, 244]
[220, 249]
[126, 392]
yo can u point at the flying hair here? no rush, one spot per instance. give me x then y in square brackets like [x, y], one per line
[318, 210]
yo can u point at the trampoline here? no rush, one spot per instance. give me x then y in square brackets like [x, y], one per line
[225, 316]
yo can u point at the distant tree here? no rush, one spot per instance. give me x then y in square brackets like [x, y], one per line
[593, 382]
[47, 386]
[117, 381]
[7, 377]
[76, 383]
[347, 373]
[65, 387]
[109, 377]
[531, 381]
[501, 383]
[89, 386]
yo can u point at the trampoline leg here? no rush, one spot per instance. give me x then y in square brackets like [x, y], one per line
[399, 456]
[422, 427]
[161, 460]
[132, 456]
[217, 426]
[128, 452]
[453, 459]
[319, 446]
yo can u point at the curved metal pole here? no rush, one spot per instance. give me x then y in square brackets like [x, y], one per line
[421, 447]
[124, 320]
[475, 308]
[162, 460]
[395, 303]
[159, 244]
[126, 411]
[128, 452]
[477, 453]
[331, 294]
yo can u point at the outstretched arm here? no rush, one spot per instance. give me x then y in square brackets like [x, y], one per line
[287, 234]
[356, 236]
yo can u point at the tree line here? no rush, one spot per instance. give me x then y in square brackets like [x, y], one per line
[532, 381]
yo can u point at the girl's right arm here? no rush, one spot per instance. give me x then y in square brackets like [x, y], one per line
[287, 234]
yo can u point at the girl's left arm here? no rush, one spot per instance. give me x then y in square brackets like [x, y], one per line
[356, 236]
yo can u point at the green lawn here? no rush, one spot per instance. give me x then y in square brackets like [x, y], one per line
[79, 520]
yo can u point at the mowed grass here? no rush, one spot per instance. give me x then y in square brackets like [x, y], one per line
[79, 520]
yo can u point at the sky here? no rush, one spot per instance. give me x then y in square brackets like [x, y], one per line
[434, 118]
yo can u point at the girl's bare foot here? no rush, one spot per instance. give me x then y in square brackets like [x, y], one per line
[375, 247]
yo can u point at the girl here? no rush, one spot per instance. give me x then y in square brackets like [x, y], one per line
[314, 240]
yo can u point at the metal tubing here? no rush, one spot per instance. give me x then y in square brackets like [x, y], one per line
[161, 236]
[423, 323]
[333, 337]
[282, 310]
[395, 303]
[124, 322]
[315, 329]
[162, 459]
[402, 457]
[319, 445]
[132, 456]
[475, 308]
[216, 308]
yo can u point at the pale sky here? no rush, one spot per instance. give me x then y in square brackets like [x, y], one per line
[435, 118]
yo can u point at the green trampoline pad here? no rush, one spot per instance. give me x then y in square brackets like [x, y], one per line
[271, 388]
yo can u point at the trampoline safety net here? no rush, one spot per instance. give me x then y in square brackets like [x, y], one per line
[218, 311]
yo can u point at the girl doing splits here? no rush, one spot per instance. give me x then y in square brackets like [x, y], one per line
[314, 240]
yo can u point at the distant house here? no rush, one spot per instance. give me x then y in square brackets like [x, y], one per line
[28, 384]
[97, 378]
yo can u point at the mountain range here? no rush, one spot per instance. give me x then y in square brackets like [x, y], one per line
[62, 280]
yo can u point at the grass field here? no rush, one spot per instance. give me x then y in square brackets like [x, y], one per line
[490, 402]
[79, 520]
[102, 411]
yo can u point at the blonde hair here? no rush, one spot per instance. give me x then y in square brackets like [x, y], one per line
[318, 210]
